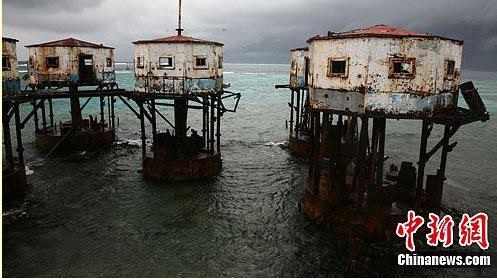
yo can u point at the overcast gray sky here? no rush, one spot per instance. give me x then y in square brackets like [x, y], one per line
[253, 31]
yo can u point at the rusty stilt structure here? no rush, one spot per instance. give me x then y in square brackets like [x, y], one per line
[186, 74]
[298, 139]
[13, 174]
[400, 75]
[71, 63]
[177, 72]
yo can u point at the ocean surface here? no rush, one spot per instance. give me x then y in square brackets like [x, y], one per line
[93, 214]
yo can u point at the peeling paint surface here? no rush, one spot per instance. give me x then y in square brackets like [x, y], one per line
[68, 71]
[389, 103]
[10, 76]
[183, 76]
[298, 67]
[368, 84]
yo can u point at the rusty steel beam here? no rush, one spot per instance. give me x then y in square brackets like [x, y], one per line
[425, 134]
[50, 111]
[9, 153]
[142, 128]
[218, 124]
[20, 149]
[154, 128]
[291, 112]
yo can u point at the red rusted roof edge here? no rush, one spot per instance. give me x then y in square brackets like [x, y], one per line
[380, 31]
[70, 42]
[177, 39]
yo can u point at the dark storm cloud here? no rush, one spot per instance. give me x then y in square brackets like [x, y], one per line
[258, 31]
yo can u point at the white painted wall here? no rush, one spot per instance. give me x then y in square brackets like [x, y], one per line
[68, 62]
[9, 49]
[369, 64]
[297, 67]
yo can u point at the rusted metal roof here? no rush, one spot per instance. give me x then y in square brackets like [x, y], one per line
[300, 48]
[379, 30]
[9, 39]
[70, 42]
[177, 39]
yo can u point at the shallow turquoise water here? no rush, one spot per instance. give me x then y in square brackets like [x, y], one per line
[93, 214]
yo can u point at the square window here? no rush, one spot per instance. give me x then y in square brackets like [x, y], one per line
[201, 62]
[109, 62]
[450, 69]
[337, 67]
[402, 68]
[5, 63]
[52, 62]
[165, 62]
[139, 62]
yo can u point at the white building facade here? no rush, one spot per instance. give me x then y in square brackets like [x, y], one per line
[10, 71]
[70, 62]
[384, 70]
[299, 68]
[178, 65]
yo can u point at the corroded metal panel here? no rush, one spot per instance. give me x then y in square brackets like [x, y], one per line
[298, 67]
[10, 71]
[368, 84]
[387, 103]
[183, 76]
[68, 70]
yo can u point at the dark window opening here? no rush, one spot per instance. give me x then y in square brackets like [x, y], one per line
[337, 68]
[139, 62]
[109, 62]
[450, 67]
[402, 68]
[5, 63]
[220, 62]
[52, 62]
[165, 62]
[201, 62]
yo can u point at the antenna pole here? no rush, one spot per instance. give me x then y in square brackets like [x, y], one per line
[179, 19]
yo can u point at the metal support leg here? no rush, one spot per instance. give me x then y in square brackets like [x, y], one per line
[154, 128]
[43, 115]
[381, 152]
[317, 157]
[35, 109]
[425, 133]
[9, 153]
[20, 149]
[142, 127]
[297, 116]
[108, 111]
[112, 104]
[207, 125]
[102, 116]
[218, 124]
[212, 124]
[50, 107]
[291, 112]
[360, 166]
[445, 151]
